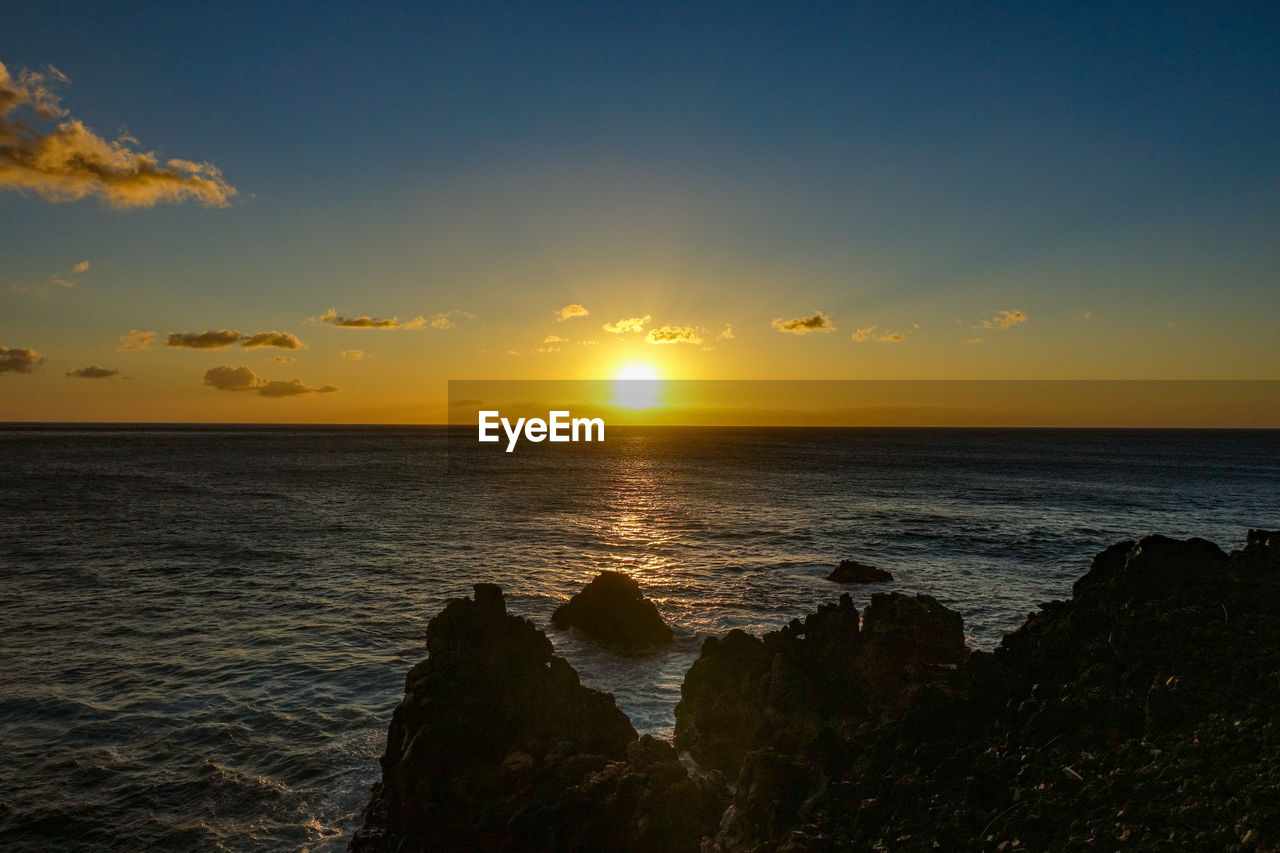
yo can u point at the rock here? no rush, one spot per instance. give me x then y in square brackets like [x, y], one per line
[488, 719]
[613, 610]
[783, 691]
[1141, 710]
[851, 571]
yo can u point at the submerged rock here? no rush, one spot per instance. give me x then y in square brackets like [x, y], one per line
[851, 571]
[613, 610]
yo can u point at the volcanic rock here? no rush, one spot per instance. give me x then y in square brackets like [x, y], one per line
[851, 571]
[613, 610]
[489, 718]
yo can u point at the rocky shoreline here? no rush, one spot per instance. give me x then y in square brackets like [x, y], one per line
[1139, 714]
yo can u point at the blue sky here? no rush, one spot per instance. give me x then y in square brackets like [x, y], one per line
[912, 171]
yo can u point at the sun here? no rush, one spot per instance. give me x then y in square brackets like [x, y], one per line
[636, 386]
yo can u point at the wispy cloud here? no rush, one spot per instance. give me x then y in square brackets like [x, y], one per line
[352, 354]
[135, 341]
[333, 318]
[570, 311]
[727, 334]
[243, 379]
[20, 360]
[818, 322]
[1004, 320]
[445, 319]
[93, 372]
[627, 324]
[81, 267]
[69, 161]
[555, 339]
[210, 339]
[674, 335]
[870, 334]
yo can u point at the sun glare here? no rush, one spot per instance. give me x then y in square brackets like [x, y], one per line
[636, 386]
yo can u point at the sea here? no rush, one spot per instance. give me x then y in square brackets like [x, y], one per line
[204, 630]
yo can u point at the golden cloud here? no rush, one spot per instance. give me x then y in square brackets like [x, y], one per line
[674, 335]
[70, 162]
[93, 372]
[869, 334]
[627, 324]
[209, 339]
[352, 354]
[280, 340]
[21, 360]
[136, 340]
[1004, 320]
[819, 322]
[555, 339]
[570, 311]
[243, 379]
[445, 320]
[333, 318]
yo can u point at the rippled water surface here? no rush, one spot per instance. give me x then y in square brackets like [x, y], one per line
[205, 631]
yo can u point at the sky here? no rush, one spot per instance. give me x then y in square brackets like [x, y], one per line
[323, 213]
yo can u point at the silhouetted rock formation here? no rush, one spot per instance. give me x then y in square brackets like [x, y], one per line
[851, 571]
[779, 692]
[613, 610]
[1139, 714]
[487, 717]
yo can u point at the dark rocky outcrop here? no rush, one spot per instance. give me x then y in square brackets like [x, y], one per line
[487, 720]
[1139, 714]
[613, 610]
[793, 687]
[851, 571]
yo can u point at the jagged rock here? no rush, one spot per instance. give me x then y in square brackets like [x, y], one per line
[1141, 713]
[851, 571]
[613, 610]
[489, 718]
[783, 691]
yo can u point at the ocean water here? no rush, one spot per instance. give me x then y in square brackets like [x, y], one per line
[204, 631]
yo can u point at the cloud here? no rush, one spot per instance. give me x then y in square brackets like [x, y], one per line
[819, 322]
[69, 162]
[352, 354]
[1004, 320]
[135, 341]
[555, 339]
[94, 372]
[243, 379]
[1088, 315]
[674, 335]
[284, 359]
[293, 388]
[209, 339]
[974, 340]
[869, 334]
[20, 360]
[627, 324]
[445, 320]
[333, 318]
[570, 311]
[727, 334]
[83, 266]
[280, 340]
